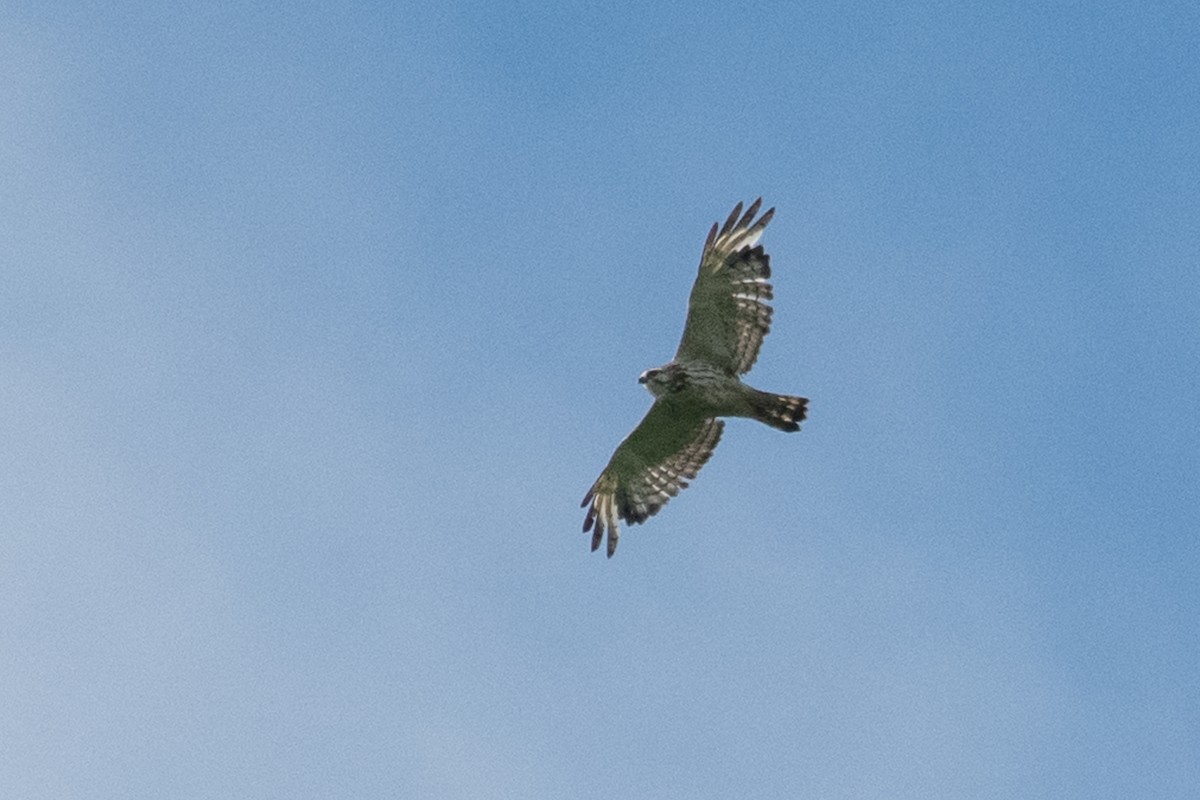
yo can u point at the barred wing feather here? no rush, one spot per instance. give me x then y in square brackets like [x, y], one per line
[655, 461]
[728, 315]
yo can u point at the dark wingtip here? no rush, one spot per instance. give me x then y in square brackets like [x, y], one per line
[749, 215]
[712, 237]
[733, 218]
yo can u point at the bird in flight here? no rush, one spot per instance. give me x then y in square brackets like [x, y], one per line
[727, 318]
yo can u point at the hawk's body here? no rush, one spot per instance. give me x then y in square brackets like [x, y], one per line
[728, 317]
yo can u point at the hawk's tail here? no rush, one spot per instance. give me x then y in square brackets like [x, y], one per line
[779, 410]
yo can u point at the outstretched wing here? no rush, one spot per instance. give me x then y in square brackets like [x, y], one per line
[728, 315]
[654, 462]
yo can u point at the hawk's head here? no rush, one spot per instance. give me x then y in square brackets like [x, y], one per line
[661, 380]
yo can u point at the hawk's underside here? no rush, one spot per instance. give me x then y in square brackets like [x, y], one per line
[728, 317]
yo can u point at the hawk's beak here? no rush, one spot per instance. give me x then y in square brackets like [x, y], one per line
[642, 378]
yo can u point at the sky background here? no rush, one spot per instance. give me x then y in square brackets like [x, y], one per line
[316, 324]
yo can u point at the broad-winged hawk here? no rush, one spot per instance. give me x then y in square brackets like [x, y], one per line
[728, 317]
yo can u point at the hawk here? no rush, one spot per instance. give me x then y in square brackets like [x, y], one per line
[727, 318]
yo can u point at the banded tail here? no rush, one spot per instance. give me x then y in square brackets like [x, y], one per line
[779, 410]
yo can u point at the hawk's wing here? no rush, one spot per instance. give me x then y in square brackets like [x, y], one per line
[654, 462]
[728, 315]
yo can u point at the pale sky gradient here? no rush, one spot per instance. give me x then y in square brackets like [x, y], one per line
[317, 323]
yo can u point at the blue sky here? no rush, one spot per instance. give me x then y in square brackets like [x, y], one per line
[316, 324]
